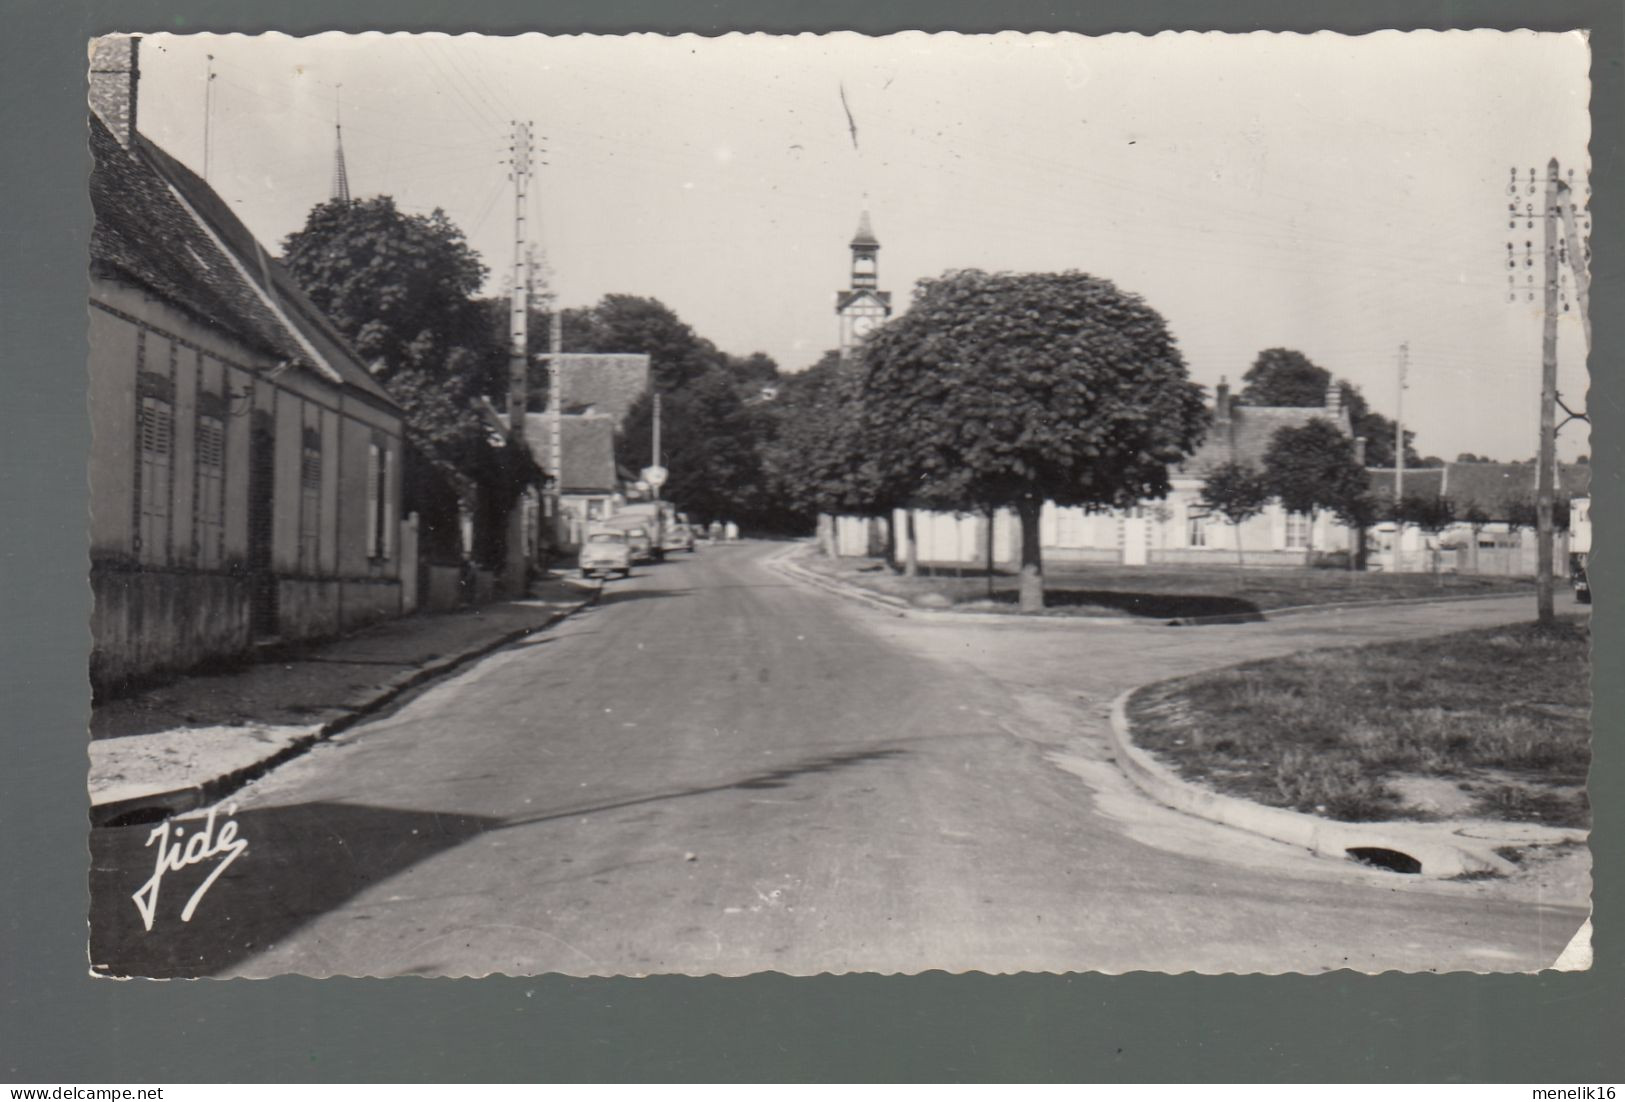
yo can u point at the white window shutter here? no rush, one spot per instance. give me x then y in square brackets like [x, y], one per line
[372, 500]
[389, 504]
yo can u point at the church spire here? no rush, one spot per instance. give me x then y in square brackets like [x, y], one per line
[341, 179]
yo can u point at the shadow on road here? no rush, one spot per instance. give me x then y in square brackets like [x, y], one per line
[1156, 606]
[621, 596]
[302, 861]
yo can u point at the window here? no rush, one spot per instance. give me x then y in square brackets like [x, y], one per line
[310, 501]
[210, 503]
[1297, 532]
[1196, 529]
[157, 444]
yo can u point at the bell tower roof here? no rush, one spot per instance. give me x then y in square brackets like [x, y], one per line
[865, 237]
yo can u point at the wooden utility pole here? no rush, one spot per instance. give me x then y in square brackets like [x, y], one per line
[655, 450]
[1404, 360]
[208, 114]
[1545, 490]
[1576, 258]
[519, 313]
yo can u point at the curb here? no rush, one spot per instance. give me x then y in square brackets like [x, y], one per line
[1442, 851]
[896, 606]
[893, 605]
[152, 807]
[899, 607]
[1310, 610]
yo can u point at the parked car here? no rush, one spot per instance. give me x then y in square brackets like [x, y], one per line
[606, 552]
[679, 537]
[636, 530]
[643, 546]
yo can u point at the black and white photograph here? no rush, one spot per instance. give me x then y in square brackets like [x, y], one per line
[637, 505]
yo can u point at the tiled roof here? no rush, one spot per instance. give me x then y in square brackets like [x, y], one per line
[602, 383]
[1486, 485]
[161, 227]
[587, 452]
[1421, 481]
[1246, 436]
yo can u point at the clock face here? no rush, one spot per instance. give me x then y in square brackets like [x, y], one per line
[862, 325]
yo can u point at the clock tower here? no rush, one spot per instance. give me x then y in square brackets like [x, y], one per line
[862, 307]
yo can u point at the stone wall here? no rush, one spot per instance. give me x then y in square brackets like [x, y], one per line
[147, 621]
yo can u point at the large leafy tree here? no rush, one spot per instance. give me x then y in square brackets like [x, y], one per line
[632, 323]
[1311, 468]
[399, 286]
[1010, 390]
[1286, 377]
[710, 443]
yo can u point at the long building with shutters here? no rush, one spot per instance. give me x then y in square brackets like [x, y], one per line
[245, 472]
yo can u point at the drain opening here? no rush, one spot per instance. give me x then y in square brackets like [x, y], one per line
[1390, 859]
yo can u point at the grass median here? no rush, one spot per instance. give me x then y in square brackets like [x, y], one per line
[1490, 723]
[1161, 592]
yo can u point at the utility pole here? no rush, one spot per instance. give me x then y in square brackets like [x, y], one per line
[1577, 260]
[1399, 425]
[1545, 489]
[208, 112]
[656, 448]
[519, 329]
[1559, 250]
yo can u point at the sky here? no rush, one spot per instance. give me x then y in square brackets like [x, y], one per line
[1337, 195]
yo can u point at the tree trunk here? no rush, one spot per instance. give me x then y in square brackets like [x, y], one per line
[1032, 561]
[991, 514]
[911, 565]
[1309, 541]
[890, 552]
[1241, 562]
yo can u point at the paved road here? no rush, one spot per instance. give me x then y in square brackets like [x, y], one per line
[718, 770]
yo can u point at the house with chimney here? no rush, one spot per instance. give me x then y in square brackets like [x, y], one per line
[245, 467]
[1175, 530]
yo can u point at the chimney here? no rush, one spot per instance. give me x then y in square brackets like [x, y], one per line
[1221, 401]
[1359, 451]
[1334, 399]
[114, 71]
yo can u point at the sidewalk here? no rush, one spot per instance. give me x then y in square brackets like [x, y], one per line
[180, 745]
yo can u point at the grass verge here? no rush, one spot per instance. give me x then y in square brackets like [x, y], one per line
[1491, 723]
[1161, 592]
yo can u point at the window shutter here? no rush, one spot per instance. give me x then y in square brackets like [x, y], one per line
[388, 534]
[372, 500]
